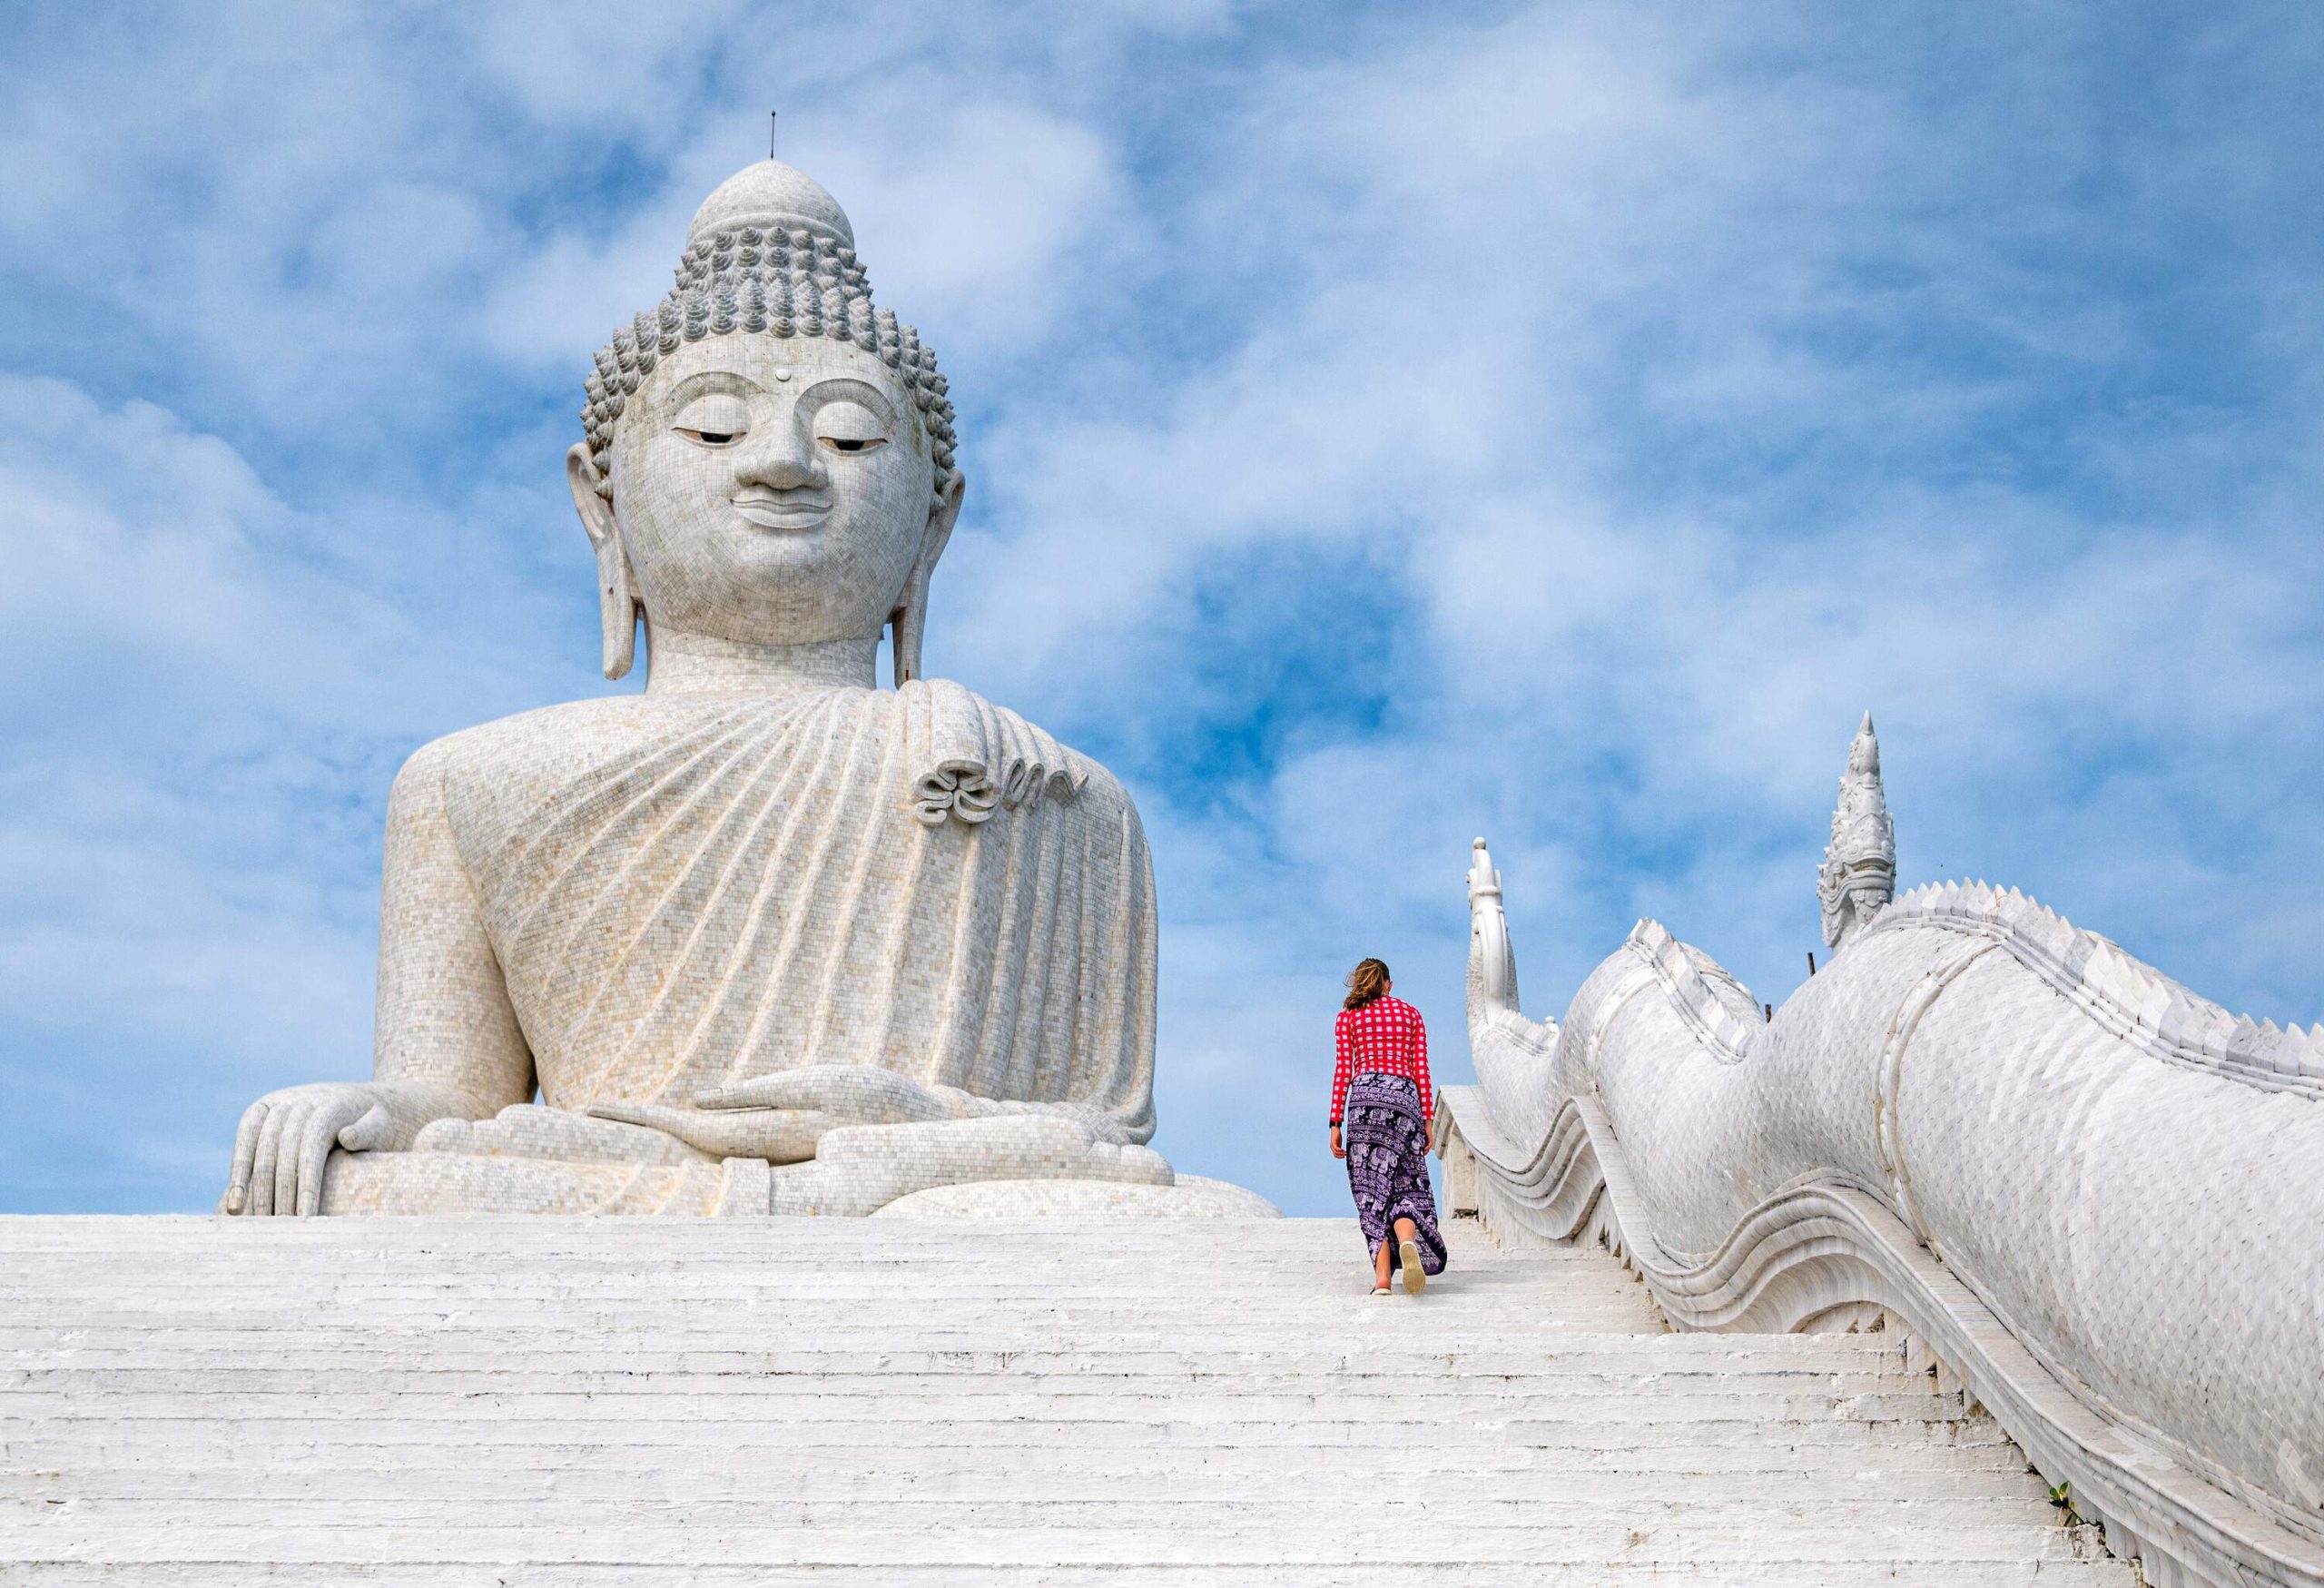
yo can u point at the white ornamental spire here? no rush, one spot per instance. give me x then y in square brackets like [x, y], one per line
[1859, 873]
[1492, 968]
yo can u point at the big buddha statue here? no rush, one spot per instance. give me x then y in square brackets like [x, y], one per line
[765, 937]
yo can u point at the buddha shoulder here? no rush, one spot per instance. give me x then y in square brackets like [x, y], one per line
[535, 750]
[978, 757]
[951, 745]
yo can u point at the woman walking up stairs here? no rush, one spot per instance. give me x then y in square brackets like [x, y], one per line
[1381, 1110]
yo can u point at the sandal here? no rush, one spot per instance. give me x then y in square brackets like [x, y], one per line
[1408, 1255]
[1379, 1290]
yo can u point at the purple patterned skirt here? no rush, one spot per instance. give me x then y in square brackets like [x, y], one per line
[1387, 1166]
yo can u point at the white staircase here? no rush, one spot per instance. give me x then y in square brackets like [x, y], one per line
[654, 1402]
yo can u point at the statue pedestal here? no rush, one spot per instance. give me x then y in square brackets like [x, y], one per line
[422, 1183]
[458, 1184]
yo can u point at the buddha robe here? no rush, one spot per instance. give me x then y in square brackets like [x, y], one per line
[688, 891]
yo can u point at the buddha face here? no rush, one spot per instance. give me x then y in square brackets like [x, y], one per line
[771, 490]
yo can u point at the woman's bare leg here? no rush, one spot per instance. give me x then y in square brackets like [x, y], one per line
[1407, 1235]
[1404, 1230]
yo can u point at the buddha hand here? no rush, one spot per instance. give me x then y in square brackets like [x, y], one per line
[781, 1117]
[286, 1137]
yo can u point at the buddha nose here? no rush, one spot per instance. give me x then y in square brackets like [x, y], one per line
[780, 458]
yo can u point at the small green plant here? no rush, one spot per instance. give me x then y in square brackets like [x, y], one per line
[2062, 1496]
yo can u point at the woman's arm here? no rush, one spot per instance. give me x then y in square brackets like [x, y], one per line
[1427, 1097]
[1342, 1058]
[1343, 1064]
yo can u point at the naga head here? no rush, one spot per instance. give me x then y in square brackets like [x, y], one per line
[768, 458]
[1858, 877]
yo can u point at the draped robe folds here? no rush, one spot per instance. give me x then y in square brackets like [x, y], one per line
[689, 890]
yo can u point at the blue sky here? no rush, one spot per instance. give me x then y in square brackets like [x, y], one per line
[1554, 422]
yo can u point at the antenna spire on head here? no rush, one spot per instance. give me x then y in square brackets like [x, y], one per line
[770, 134]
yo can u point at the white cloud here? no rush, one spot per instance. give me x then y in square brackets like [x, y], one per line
[969, 211]
[211, 690]
[978, 213]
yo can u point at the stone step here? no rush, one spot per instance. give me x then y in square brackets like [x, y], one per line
[1216, 1407]
[1331, 1283]
[1128, 1508]
[1338, 1293]
[21, 1440]
[1400, 1316]
[1732, 1446]
[1414, 1564]
[646, 1403]
[931, 1349]
[401, 1376]
[1381, 1325]
[1337, 1289]
[864, 1255]
[1157, 1273]
[1138, 1326]
[1677, 1359]
[928, 1268]
[327, 1472]
[1377, 1532]
[927, 1331]
[956, 1239]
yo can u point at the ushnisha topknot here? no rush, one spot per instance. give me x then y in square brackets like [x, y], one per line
[769, 252]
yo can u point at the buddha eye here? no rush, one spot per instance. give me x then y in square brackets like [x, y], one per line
[713, 420]
[849, 429]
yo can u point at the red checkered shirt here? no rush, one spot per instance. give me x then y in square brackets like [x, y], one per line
[1384, 1035]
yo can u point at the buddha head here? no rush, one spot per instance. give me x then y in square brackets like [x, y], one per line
[768, 458]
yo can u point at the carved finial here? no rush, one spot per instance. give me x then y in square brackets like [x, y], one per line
[1859, 873]
[1492, 968]
[1483, 878]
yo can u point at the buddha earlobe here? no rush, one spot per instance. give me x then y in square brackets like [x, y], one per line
[908, 622]
[616, 608]
[616, 585]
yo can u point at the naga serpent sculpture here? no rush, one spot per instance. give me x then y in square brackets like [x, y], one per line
[2089, 1199]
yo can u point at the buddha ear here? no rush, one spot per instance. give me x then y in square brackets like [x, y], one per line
[616, 586]
[909, 621]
